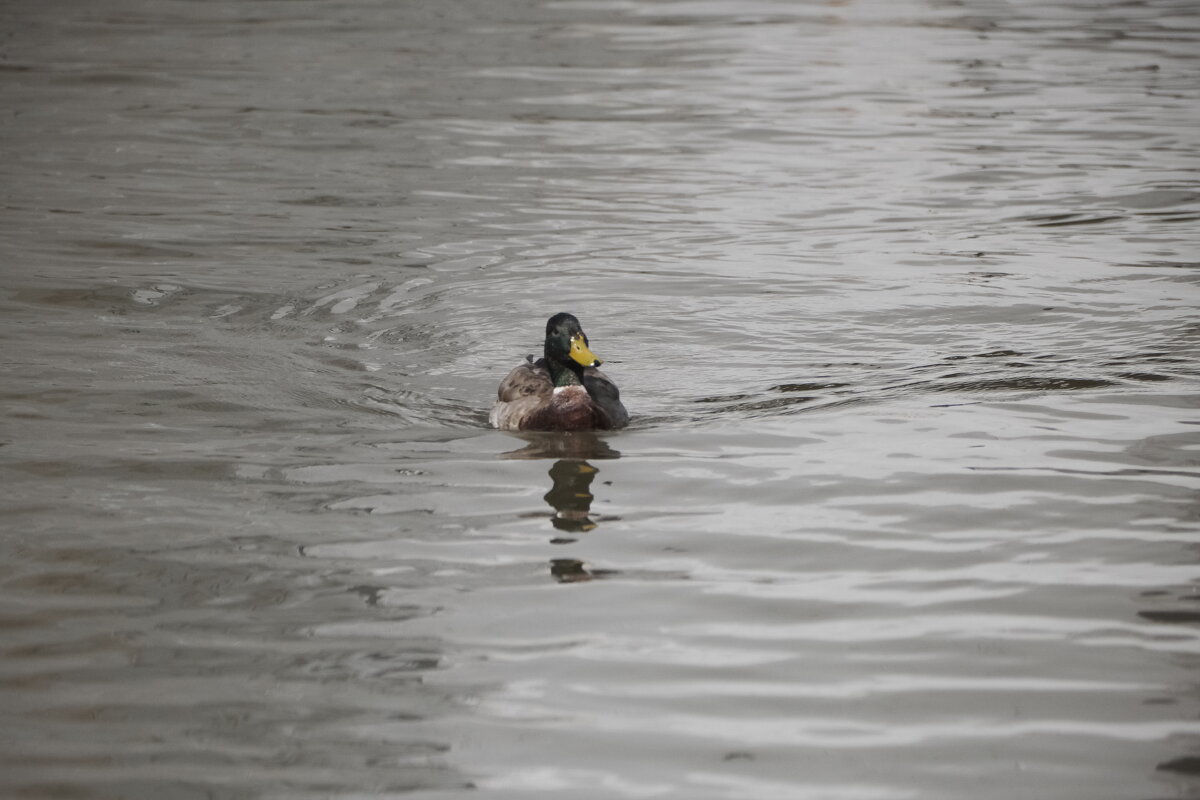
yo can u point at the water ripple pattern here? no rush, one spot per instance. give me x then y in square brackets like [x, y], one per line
[902, 299]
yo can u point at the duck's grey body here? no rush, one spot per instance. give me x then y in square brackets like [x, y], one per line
[528, 400]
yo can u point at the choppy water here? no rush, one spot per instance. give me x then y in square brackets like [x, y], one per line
[902, 297]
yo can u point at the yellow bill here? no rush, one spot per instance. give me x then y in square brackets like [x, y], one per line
[580, 353]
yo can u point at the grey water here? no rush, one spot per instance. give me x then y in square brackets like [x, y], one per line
[902, 298]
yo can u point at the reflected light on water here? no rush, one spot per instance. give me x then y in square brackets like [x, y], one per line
[902, 299]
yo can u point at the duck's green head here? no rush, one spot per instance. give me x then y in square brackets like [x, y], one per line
[567, 344]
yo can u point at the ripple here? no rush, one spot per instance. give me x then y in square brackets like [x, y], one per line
[901, 298]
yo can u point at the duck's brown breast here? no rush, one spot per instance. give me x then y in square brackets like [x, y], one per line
[570, 408]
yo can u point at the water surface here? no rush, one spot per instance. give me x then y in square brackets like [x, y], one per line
[902, 298]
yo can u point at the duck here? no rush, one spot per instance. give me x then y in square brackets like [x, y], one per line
[563, 390]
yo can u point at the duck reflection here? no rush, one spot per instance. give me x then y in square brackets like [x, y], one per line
[572, 570]
[578, 445]
[570, 493]
[571, 497]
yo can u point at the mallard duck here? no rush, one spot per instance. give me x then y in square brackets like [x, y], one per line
[563, 390]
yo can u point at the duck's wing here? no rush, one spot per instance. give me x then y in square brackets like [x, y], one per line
[530, 379]
[606, 396]
[521, 393]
